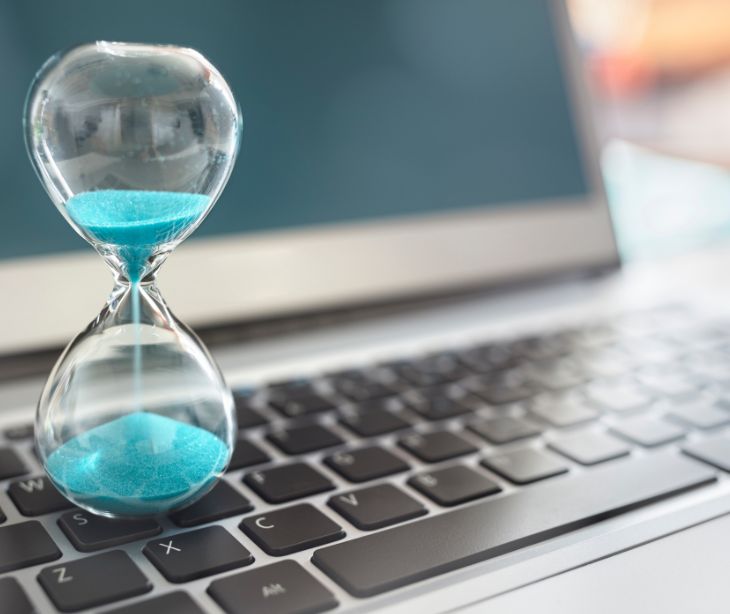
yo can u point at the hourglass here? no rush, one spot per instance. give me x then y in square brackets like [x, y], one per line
[133, 143]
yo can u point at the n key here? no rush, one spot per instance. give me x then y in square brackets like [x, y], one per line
[36, 496]
[93, 581]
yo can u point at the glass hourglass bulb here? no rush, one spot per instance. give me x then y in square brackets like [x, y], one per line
[134, 143]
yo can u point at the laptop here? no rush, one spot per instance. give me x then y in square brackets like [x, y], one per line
[449, 395]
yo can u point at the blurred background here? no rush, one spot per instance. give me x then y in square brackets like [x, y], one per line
[659, 71]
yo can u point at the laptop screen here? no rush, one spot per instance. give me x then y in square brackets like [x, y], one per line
[353, 111]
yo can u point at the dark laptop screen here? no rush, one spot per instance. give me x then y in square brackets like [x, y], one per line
[353, 110]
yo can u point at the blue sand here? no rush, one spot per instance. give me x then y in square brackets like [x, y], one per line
[135, 221]
[139, 464]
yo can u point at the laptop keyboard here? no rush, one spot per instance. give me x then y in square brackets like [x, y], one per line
[373, 478]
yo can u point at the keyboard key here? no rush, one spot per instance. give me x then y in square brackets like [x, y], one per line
[490, 357]
[453, 485]
[525, 466]
[668, 381]
[36, 496]
[88, 532]
[558, 374]
[10, 464]
[287, 482]
[648, 431]
[714, 451]
[222, 501]
[93, 581]
[246, 454]
[196, 554]
[19, 432]
[365, 464]
[291, 529]
[246, 416]
[562, 410]
[389, 559]
[618, 395]
[372, 419]
[171, 603]
[295, 404]
[25, 544]
[13, 599]
[376, 507]
[430, 371]
[502, 388]
[701, 414]
[281, 588]
[303, 439]
[436, 446]
[358, 387]
[437, 403]
[504, 429]
[590, 448]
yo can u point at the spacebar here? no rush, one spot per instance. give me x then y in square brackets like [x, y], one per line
[425, 548]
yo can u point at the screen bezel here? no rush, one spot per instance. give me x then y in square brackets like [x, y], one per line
[246, 277]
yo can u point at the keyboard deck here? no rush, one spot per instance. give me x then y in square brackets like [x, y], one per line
[370, 479]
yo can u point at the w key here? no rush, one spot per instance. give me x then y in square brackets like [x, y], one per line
[36, 496]
[93, 581]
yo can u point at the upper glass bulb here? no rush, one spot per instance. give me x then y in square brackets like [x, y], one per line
[134, 144]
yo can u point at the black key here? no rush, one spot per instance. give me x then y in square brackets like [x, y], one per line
[567, 409]
[590, 448]
[453, 485]
[303, 439]
[221, 502]
[558, 374]
[372, 420]
[436, 446]
[431, 546]
[291, 529]
[504, 387]
[25, 544]
[196, 554]
[504, 429]
[701, 414]
[437, 403]
[648, 431]
[618, 395]
[246, 416]
[13, 599]
[22, 431]
[491, 357]
[36, 496]
[281, 588]
[88, 532]
[430, 371]
[246, 454]
[93, 581]
[525, 466]
[358, 387]
[376, 507]
[171, 603]
[293, 405]
[714, 451]
[287, 482]
[366, 464]
[10, 464]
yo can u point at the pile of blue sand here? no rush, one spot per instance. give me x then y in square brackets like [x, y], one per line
[137, 465]
[135, 221]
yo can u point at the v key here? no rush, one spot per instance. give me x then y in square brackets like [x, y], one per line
[376, 507]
